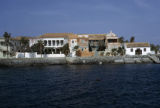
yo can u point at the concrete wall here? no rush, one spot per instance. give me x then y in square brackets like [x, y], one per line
[35, 55]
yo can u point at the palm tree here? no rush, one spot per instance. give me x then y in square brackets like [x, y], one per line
[41, 46]
[155, 48]
[121, 39]
[126, 41]
[132, 39]
[7, 38]
[24, 43]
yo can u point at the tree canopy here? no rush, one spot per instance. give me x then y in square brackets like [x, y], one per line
[132, 39]
[65, 49]
[155, 48]
[121, 39]
[7, 37]
[24, 43]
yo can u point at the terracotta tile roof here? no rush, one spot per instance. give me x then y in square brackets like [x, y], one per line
[73, 36]
[56, 35]
[140, 44]
[97, 36]
[19, 37]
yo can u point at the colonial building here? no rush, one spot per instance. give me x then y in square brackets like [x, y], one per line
[52, 41]
[137, 48]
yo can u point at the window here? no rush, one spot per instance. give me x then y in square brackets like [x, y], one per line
[112, 40]
[61, 42]
[144, 49]
[53, 42]
[49, 42]
[82, 49]
[57, 42]
[82, 41]
[131, 49]
[4, 53]
[45, 43]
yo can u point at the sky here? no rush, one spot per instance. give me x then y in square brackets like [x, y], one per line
[138, 18]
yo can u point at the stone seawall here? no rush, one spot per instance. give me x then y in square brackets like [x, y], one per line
[32, 61]
[108, 59]
[76, 60]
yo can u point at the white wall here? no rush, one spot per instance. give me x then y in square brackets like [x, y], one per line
[73, 43]
[128, 50]
[35, 55]
[34, 41]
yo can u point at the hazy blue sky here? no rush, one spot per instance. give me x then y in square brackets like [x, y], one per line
[140, 18]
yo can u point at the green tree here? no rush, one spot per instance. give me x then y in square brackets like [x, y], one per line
[126, 41]
[114, 52]
[24, 44]
[76, 47]
[121, 39]
[7, 37]
[155, 48]
[132, 39]
[101, 46]
[38, 47]
[41, 46]
[65, 49]
[121, 51]
[78, 53]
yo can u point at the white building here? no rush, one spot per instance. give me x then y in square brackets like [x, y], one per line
[52, 41]
[137, 48]
[13, 46]
[72, 43]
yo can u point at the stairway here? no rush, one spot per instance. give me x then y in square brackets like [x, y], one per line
[154, 59]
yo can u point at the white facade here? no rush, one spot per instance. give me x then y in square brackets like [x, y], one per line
[132, 51]
[35, 55]
[49, 42]
[73, 43]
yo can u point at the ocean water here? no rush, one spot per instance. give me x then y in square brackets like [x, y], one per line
[81, 86]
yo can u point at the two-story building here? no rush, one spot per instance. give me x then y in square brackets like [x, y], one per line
[52, 41]
[12, 47]
[111, 41]
[73, 42]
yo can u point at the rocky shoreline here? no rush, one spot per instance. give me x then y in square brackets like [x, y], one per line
[79, 60]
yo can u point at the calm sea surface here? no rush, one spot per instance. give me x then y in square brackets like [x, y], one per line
[81, 86]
